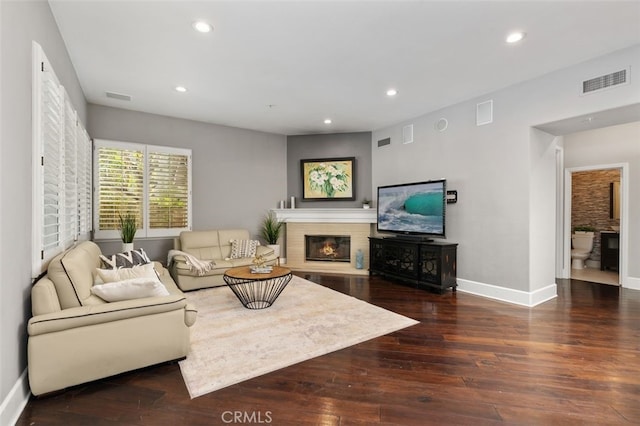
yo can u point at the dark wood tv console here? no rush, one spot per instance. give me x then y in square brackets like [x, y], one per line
[428, 265]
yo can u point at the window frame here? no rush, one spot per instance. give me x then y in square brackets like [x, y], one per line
[145, 231]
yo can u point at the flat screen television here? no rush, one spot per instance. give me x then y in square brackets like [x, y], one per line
[413, 209]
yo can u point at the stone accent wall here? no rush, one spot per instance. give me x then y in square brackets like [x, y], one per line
[590, 203]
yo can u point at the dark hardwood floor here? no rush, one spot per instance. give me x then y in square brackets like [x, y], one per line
[572, 360]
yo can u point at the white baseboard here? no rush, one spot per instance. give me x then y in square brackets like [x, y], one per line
[15, 401]
[632, 283]
[509, 295]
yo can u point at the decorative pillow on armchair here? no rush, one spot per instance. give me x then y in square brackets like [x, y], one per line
[127, 259]
[243, 248]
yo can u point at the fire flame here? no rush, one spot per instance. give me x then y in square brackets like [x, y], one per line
[328, 250]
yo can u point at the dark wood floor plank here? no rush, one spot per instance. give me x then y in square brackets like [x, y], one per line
[572, 360]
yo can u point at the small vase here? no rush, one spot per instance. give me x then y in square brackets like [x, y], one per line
[127, 247]
[359, 259]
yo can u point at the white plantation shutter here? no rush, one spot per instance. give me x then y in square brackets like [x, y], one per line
[151, 182]
[51, 133]
[59, 141]
[168, 190]
[84, 182]
[120, 184]
[69, 176]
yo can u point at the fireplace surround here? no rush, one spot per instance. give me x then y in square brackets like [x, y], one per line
[357, 223]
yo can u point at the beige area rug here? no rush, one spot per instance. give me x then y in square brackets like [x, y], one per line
[230, 344]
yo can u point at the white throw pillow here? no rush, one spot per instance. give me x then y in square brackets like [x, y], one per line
[135, 288]
[140, 271]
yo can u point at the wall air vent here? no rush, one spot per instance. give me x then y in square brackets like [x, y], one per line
[605, 81]
[119, 96]
[384, 142]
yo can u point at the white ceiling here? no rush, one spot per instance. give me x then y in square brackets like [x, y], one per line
[285, 66]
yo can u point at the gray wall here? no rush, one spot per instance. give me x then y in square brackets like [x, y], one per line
[238, 174]
[335, 145]
[21, 22]
[504, 220]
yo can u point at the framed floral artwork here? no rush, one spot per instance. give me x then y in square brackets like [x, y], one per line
[328, 179]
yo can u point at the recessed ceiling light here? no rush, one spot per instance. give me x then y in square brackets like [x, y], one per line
[392, 92]
[181, 89]
[202, 26]
[515, 37]
[327, 121]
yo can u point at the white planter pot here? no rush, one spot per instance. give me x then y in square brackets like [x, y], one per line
[127, 247]
[276, 249]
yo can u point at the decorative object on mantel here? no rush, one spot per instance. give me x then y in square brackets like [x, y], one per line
[293, 202]
[328, 179]
[366, 203]
[270, 231]
[128, 228]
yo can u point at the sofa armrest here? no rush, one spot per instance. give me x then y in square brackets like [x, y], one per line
[190, 314]
[96, 314]
[264, 251]
[44, 298]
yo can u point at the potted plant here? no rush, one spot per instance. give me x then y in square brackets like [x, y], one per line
[366, 203]
[583, 229]
[128, 228]
[270, 232]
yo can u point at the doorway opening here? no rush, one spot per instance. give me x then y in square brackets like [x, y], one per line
[594, 200]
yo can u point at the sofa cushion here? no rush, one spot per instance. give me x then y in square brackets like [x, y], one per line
[204, 245]
[126, 259]
[72, 273]
[243, 248]
[134, 288]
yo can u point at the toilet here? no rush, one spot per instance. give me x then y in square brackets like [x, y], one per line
[581, 246]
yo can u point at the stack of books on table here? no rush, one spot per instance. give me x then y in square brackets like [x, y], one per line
[261, 269]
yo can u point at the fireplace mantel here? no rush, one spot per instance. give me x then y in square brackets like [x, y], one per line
[326, 215]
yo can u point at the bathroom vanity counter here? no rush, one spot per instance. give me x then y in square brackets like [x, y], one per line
[609, 250]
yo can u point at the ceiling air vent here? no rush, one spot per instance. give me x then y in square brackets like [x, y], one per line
[119, 96]
[605, 81]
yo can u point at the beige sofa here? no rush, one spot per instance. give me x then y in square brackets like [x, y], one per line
[75, 337]
[212, 245]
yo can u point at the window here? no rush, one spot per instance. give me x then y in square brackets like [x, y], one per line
[61, 167]
[153, 183]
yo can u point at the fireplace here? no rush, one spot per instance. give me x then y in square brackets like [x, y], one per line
[327, 248]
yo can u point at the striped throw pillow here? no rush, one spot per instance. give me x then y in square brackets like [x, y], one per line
[243, 248]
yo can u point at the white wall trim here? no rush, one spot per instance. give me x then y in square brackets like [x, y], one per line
[15, 401]
[631, 283]
[503, 294]
[354, 215]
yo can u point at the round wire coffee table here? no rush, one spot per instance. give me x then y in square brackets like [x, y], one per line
[257, 291]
